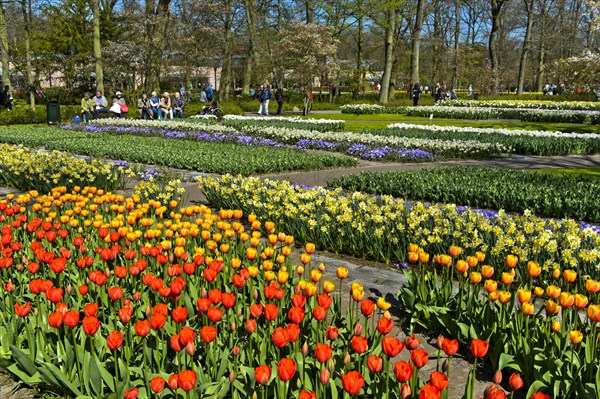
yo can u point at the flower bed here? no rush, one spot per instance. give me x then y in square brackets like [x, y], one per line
[127, 299]
[41, 170]
[197, 156]
[526, 142]
[526, 104]
[319, 125]
[482, 112]
[344, 141]
[382, 227]
[198, 123]
[492, 188]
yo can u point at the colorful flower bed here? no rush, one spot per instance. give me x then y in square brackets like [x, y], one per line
[319, 125]
[491, 188]
[204, 122]
[526, 142]
[106, 296]
[41, 170]
[526, 104]
[385, 145]
[538, 309]
[199, 156]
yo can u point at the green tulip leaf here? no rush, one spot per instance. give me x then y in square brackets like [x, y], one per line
[506, 360]
[95, 376]
[53, 373]
[27, 365]
[28, 379]
[536, 386]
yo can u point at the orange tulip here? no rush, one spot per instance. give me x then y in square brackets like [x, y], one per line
[581, 301]
[487, 271]
[480, 256]
[511, 261]
[552, 307]
[592, 286]
[475, 277]
[566, 300]
[593, 313]
[504, 297]
[507, 278]
[462, 266]
[570, 276]
[575, 337]
[527, 308]
[455, 251]
[533, 269]
[523, 295]
[472, 261]
[553, 291]
[490, 286]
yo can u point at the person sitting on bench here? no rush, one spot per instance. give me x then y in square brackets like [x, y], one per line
[100, 105]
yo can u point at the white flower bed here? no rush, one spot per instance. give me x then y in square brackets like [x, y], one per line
[293, 122]
[455, 146]
[362, 109]
[526, 104]
[508, 132]
[163, 124]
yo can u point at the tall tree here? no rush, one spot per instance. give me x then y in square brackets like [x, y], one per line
[497, 7]
[390, 31]
[26, 10]
[251, 21]
[4, 48]
[416, 42]
[226, 84]
[525, 50]
[157, 20]
[455, 55]
[98, 47]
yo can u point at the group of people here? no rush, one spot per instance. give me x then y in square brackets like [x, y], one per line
[439, 93]
[6, 98]
[149, 107]
[264, 96]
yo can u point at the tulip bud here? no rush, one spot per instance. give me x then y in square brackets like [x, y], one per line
[233, 326]
[231, 376]
[148, 311]
[69, 289]
[299, 383]
[405, 391]
[305, 349]
[239, 313]
[254, 395]
[190, 348]
[497, 377]
[137, 296]
[236, 350]
[445, 365]
[347, 359]
[203, 293]
[331, 365]
[358, 329]
[325, 377]
[255, 294]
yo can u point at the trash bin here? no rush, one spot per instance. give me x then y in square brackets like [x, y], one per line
[476, 96]
[53, 112]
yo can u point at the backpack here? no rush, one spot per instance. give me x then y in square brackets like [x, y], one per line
[266, 94]
[76, 120]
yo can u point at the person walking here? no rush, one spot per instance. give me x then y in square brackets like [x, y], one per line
[279, 99]
[416, 93]
[259, 95]
[266, 96]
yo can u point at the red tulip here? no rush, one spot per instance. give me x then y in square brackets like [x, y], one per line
[90, 325]
[208, 334]
[298, 300]
[419, 357]
[179, 314]
[412, 342]
[515, 381]
[215, 296]
[83, 290]
[307, 395]
[186, 335]
[353, 382]
[375, 363]
[271, 311]
[115, 293]
[71, 318]
[296, 315]
[55, 319]
[203, 304]
[325, 300]
[450, 346]
[125, 314]
[250, 325]
[174, 381]
[90, 310]
[132, 393]
[286, 369]
[438, 380]
[54, 295]
[403, 371]
[175, 343]
[293, 332]
[319, 313]
[157, 384]
[280, 337]
[114, 340]
[479, 348]
[262, 374]
[323, 352]
[58, 265]
[157, 321]
[187, 380]
[384, 326]
[359, 344]
[22, 310]
[539, 395]
[142, 328]
[428, 391]
[256, 310]
[367, 307]
[228, 300]
[391, 346]
[332, 333]
[214, 314]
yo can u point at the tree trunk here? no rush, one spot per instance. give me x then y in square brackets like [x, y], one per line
[542, 49]
[438, 34]
[251, 59]
[389, 55]
[98, 47]
[497, 6]
[521, 80]
[416, 43]
[456, 39]
[310, 11]
[158, 21]
[4, 50]
[27, 21]
[227, 70]
[359, 51]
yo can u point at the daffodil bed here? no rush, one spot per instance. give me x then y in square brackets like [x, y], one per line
[526, 142]
[109, 297]
[491, 188]
[198, 156]
[41, 170]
